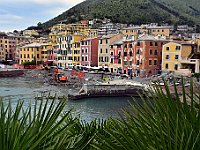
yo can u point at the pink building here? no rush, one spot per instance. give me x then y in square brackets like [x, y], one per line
[89, 52]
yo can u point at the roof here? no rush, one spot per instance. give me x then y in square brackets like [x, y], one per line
[107, 36]
[146, 37]
[118, 42]
[33, 45]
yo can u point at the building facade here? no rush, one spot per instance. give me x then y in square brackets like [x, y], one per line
[89, 52]
[104, 48]
[147, 55]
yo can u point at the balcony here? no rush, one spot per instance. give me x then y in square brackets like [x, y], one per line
[189, 61]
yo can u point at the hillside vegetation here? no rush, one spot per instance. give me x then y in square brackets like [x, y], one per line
[133, 12]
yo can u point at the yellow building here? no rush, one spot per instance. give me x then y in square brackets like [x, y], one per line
[76, 28]
[3, 46]
[70, 28]
[30, 32]
[73, 51]
[197, 40]
[34, 51]
[176, 57]
[91, 33]
[171, 54]
[104, 48]
[152, 30]
[45, 47]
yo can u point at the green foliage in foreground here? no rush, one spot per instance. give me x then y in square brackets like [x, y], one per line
[161, 122]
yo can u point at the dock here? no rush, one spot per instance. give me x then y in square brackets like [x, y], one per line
[107, 90]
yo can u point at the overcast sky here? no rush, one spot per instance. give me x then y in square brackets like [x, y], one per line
[20, 14]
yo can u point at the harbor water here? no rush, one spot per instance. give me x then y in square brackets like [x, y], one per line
[26, 88]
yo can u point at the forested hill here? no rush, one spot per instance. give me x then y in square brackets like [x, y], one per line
[133, 11]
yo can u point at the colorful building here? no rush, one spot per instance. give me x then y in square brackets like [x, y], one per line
[61, 56]
[147, 55]
[116, 50]
[37, 52]
[8, 45]
[104, 48]
[154, 30]
[30, 32]
[89, 52]
[177, 57]
[73, 51]
[128, 56]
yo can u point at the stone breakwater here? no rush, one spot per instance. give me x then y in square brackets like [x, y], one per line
[89, 91]
[11, 73]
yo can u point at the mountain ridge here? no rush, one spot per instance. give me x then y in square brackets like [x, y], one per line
[133, 12]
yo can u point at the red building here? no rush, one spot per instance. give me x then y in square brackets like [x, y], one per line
[147, 55]
[89, 52]
[128, 56]
[116, 49]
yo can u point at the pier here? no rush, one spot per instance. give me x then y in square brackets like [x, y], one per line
[108, 90]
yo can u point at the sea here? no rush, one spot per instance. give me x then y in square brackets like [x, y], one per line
[27, 88]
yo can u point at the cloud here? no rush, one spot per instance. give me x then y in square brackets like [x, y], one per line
[45, 2]
[19, 14]
[9, 18]
[55, 11]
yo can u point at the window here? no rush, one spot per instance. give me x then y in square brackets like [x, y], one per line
[166, 66]
[100, 41]
[38, 56]
[155, 62]
[111, 46]
[111, 53]
[86, 50]
[125, 46]
[86, 58]
[150, 62]
[106, 41]
[131, 53]
[150, 52]
[155, 52]
[151, 44]
[138, 51]
[106, 59]
[130, 63]
[138, 43]
[125, 62]
[130, 45]
[119, 61]
[176, 56]
[82, 50]
[100, 50]
[167, 48]
[82, 58]
[156, 43]
[176, 66]
[167, 56]
[106, 50]
[125, 53]
[138, 62]
[178, 47]
[119, 54]
[111, 60]
[118, 46]
[24, 55]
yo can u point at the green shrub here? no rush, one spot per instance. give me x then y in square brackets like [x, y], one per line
[163, 121]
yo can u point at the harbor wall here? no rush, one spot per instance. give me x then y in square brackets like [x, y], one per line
[88, 91]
